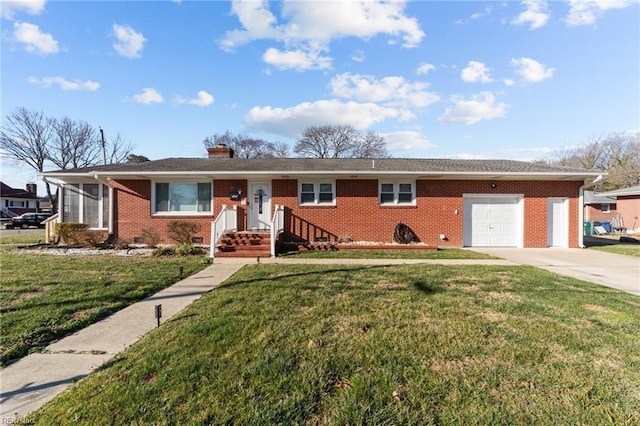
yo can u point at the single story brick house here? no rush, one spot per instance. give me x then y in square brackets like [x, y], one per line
[598, 207]
[445, 202]
[627, 205]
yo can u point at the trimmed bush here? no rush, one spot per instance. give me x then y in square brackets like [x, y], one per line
[150, 237]
[181, 231]
[70, 232]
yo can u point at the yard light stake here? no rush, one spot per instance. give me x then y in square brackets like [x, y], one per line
[158, 313]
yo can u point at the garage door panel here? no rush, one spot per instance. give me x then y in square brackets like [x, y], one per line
[492, 222]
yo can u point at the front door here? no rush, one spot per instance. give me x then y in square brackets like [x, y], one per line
[259, 205]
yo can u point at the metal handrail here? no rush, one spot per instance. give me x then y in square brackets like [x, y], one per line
[227, 220]
[277, 227]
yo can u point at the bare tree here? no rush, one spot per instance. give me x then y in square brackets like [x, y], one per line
[618, 154]
[340, 141]
[26, 138]
[247, 147]
[32, 138]
[117, 150]
[75, 144]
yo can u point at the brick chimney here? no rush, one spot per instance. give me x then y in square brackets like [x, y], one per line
[32, 188]
[220, 151]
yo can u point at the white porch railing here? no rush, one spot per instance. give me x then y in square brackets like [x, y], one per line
[277, 227]
[227, 220]
[50, 227]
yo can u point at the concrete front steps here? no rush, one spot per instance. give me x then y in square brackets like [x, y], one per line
[244, 244]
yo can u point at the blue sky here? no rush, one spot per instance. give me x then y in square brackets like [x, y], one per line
[456, 79]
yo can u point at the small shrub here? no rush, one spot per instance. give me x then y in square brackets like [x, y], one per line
[120, 243]
[69, 232]
[188, 250]
[163, 251]
[181, 232]
[90, 238]
[150, 236]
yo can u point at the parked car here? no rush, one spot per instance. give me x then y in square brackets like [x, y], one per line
[27, 220]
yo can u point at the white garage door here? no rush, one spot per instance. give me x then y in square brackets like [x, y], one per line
[492, 222]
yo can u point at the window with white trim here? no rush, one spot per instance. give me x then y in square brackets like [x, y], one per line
[317, 193]
[397, 193]
[182, 198]
[15, 203]
[86, 203]
[605, 208]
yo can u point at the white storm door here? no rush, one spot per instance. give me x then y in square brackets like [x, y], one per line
[259, 205]
[557, 222]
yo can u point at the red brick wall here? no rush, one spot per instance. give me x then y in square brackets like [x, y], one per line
[629, 208]
[357, 214]
[593, 213]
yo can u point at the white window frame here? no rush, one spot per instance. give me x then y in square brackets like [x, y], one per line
[396, 193]
[316, 193]
[605, 210]
[179, 213]
[101, 189]
[18, 204]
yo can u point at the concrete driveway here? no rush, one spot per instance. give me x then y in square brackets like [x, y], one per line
[611, 270]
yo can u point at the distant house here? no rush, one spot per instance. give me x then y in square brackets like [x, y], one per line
[445, 202]
[598, 207]
[14, 202]
[627, 202]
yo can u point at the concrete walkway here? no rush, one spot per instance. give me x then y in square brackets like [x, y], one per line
[608, 269]
[29, 383]
[35, 379]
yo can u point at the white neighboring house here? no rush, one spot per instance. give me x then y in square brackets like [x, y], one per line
[14, 202]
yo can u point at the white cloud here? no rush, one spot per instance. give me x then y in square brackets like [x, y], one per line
[407, 140]
[290, 122]
[531, 70]
[358, 56]
[34, 40]
[390, 91]
[8, 8]
[482, 106]
[295, 59]
[64, 84]
[149, 95]
[311, 26]
[476, 72]
[536, 14]
[129, 43]
[424, 68]
[204, 99]
[586, 12]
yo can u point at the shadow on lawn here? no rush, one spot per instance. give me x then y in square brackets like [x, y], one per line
[421, 285]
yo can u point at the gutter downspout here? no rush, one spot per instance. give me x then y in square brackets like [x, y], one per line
[581, 217]
[581, 211]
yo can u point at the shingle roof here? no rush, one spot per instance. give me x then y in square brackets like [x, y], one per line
[320, 165]
[9, 192]
[622, 192]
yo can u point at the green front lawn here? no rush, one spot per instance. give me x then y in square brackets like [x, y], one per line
[44, 297]
[465, 345]
[627, 249]
[449, 253]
